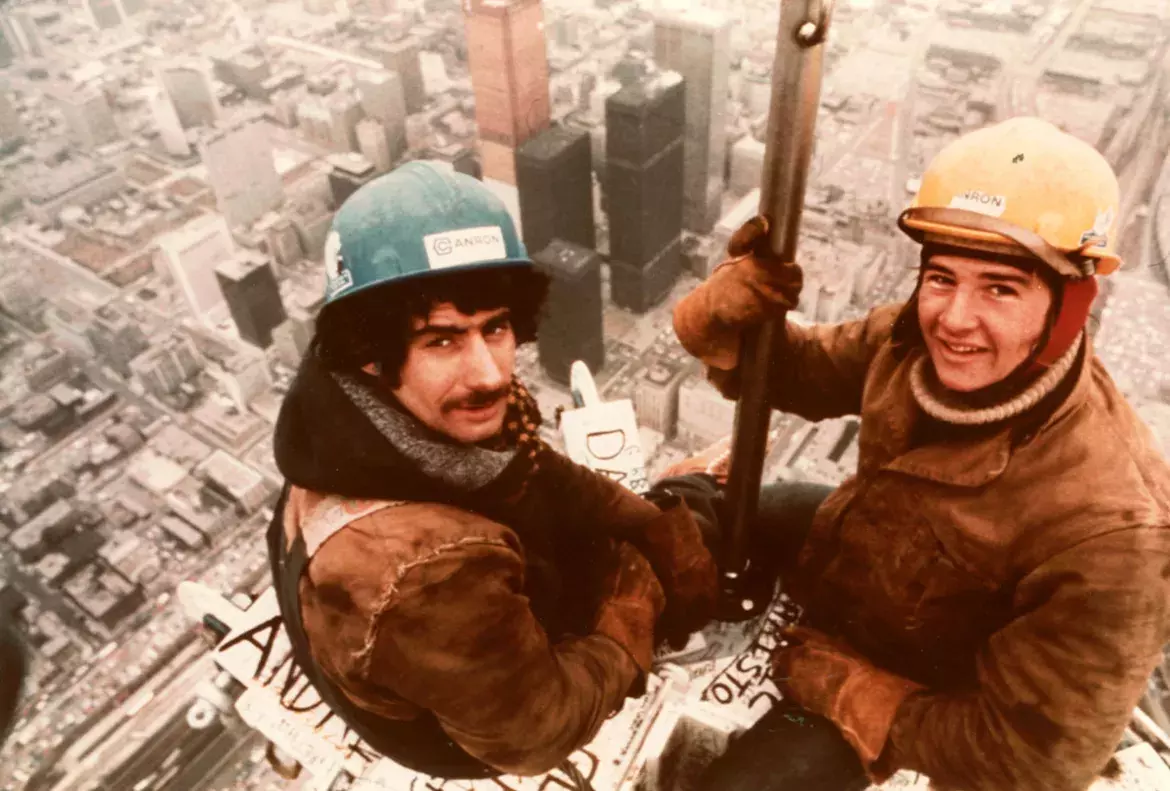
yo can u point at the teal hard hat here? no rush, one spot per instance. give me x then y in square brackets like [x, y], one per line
[417, 220]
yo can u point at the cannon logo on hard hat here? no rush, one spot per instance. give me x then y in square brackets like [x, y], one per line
[981, 202]
[337, 277]
[465, 246]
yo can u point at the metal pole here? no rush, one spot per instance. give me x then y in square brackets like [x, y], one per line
[796, 90]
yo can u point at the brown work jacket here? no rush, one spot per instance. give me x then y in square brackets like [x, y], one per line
[1019, 573]
[418, 607]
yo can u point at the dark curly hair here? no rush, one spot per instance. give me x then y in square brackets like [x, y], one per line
[375, 326]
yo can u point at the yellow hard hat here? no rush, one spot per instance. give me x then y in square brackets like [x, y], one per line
[1021, 183]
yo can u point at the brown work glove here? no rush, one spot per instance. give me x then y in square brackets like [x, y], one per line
[673, 543]
[631, 601]
[751, 286]
[827, 677]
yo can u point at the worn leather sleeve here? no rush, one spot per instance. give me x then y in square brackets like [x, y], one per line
[1058, 685]
[819, 370]
[670, 539]
[455, 635]
[589, 499]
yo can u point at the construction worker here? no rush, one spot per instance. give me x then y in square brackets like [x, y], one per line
[468, 600]
[987, 596]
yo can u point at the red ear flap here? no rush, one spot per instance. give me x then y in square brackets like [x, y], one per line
[1076, 300]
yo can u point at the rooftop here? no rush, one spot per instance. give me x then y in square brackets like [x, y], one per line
[52, 183]
[353, 164]
[242, 264]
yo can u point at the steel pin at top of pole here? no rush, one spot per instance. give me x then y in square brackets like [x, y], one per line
[814, 32]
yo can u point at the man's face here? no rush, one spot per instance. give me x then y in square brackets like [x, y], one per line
[458, 372]
[980, 319]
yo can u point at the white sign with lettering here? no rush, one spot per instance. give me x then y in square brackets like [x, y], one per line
[280, 701]
[604, 437]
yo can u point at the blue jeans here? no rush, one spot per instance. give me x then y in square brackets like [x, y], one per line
[789, 748]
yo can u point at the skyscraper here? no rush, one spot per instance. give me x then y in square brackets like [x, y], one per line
[241, 170]
[190, 255]
[509, 73]
[166, 366]
[292, 338]
[374, 144]
[279, 239]
[25, 34]
[88, 116]
[656, 395]
[461, 158]
[188, 84]
[103, 14]
[345, 111]
[245, 68]
[117, 338]
[244, 376]
[7, 48]
[696, 43]
[70, 321]
[401, 57]
[170, 129]
[555, 177]
[644, 188]
[347, 174]
[571, 326]
[11, 129]
[383, 100]
[331, 121]
[747, 165]
[253, 297]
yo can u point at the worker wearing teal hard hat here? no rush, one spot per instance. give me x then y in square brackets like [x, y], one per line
[468, 599]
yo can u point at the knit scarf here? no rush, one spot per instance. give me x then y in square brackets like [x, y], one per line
[464, 467]
[945, 408]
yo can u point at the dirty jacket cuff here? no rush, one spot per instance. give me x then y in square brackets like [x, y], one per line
[630, 624]
[864, 711]
[673, 543]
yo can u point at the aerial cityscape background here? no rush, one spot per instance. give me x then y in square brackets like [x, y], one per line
[168, 174]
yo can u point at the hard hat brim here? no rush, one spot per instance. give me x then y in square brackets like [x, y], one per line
[516, 263]
[923, 230]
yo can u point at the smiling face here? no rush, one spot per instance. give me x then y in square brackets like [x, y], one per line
[458, 371]
[979, 319]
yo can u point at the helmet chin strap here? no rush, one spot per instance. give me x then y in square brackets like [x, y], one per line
[1075, 302]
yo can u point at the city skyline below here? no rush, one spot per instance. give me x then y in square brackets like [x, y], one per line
[169, 173]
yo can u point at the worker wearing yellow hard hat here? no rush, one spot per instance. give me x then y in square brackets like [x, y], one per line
[986, 597]
[1024, 187]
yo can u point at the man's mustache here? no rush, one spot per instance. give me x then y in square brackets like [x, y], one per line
[477, 400]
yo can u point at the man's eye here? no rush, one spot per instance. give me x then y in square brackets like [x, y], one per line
[496, 328]
[1003, 291]
[439, 343]
[938, 280]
